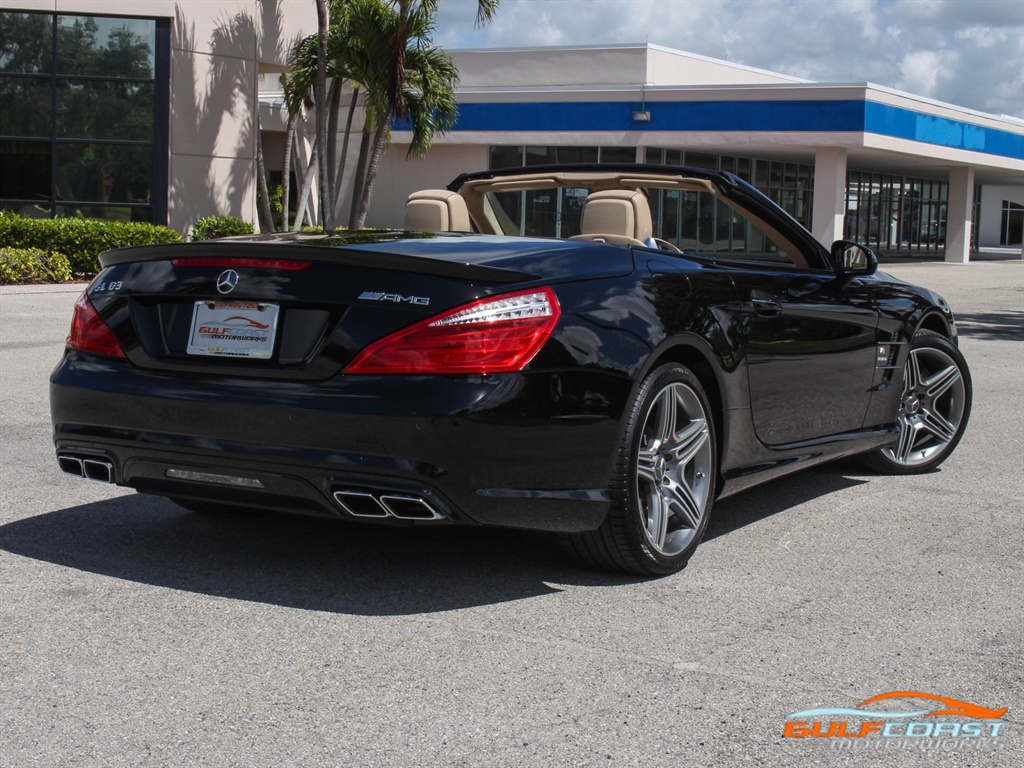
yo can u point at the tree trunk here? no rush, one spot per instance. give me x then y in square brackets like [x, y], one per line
[326, 204]
[357, 186]
[286, 173]
[334, 108]
[372, 166]
[345, 140]
[261, 177]
[307, 183]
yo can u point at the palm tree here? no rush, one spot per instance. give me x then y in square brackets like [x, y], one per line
[413, 82]
[383, 48]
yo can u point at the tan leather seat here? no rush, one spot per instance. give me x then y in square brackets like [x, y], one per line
[436, 210]
[616, 216]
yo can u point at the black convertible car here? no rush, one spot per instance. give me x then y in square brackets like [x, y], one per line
[602, 383]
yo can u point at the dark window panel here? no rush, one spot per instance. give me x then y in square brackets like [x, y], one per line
[26, 42]
[618, 155]
[105, 47]
[574, 155]
[26, 174]
[104, 173]
[701, 160]
[539, 155]
[25, 106]
[506, 157]
[654, 156]
[541, 212]
[117, 212]
[105, 109]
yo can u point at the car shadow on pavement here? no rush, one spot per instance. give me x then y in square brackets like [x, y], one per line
[299, 562]
[784, 493]
[336, 566]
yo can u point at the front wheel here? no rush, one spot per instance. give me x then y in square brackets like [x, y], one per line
[934, 407]
[663, 484]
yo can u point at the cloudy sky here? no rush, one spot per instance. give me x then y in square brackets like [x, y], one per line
[965, 52]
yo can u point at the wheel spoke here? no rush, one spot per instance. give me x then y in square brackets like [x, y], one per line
[645, 465]
[684, 506]
[937, 424]
[937, 385]
[666, 426]
[912, 375]
[657, 519]
[686, 444]
[908, 436]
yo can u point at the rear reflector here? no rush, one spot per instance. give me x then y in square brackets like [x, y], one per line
[89, 333]
[208, 261]
[209, 477]
[499, 334]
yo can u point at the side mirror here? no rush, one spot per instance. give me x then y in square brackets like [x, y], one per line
[853, 259]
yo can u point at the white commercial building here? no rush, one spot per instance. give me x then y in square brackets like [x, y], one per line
[896, 171]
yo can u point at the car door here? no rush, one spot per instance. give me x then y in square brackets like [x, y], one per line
[809, 342]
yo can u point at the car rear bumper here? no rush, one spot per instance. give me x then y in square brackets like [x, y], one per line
[480, 450]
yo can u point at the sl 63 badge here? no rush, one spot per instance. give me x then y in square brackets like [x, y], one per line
[113, 285]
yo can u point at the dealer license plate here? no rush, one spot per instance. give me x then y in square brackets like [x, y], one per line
[233, 329]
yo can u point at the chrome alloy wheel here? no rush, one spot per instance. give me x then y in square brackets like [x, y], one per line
[674, 468]
[932, 407]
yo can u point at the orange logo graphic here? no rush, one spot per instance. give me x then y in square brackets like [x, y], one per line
[832, 722]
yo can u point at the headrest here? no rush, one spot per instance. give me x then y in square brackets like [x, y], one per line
[622, 212]
[436, 210]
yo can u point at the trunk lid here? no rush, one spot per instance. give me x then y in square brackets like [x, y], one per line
[299, 307]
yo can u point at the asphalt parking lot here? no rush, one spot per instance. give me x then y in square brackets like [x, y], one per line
[133, 633]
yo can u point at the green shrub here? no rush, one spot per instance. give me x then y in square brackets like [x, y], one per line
[33, 265]
[81, 240]
[213, 227]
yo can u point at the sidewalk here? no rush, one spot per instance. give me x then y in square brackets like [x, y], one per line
[990, 253]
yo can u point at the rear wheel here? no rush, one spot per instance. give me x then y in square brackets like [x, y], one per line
[934, 408]
[663, 484]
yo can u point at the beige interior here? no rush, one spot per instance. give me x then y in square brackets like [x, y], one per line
[436, 210]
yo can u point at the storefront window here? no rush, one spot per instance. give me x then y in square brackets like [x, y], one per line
[1012, 231]
[83, 115]
[896, 213]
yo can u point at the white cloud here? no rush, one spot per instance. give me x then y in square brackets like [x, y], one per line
[966, 52]
[920, 72]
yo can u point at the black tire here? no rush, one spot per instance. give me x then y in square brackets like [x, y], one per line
[215, 509]
[934, 408]
[663, 484]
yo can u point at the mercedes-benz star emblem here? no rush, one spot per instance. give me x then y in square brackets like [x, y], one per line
[227, 281]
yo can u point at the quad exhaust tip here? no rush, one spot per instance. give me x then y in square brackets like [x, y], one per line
[89, 467]
[383, 505]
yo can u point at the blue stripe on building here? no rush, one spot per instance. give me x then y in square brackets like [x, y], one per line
[750, 116]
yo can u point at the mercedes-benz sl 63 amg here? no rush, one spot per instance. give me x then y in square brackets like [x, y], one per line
[595, 351]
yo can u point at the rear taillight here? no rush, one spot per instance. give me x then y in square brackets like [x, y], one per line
[499, 334]
[89, 333]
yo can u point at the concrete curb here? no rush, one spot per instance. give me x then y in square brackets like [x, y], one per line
[45, 288]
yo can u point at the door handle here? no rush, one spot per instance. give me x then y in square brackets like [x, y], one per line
[766, 307]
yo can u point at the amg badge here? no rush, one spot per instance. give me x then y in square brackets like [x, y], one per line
[395, 297]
